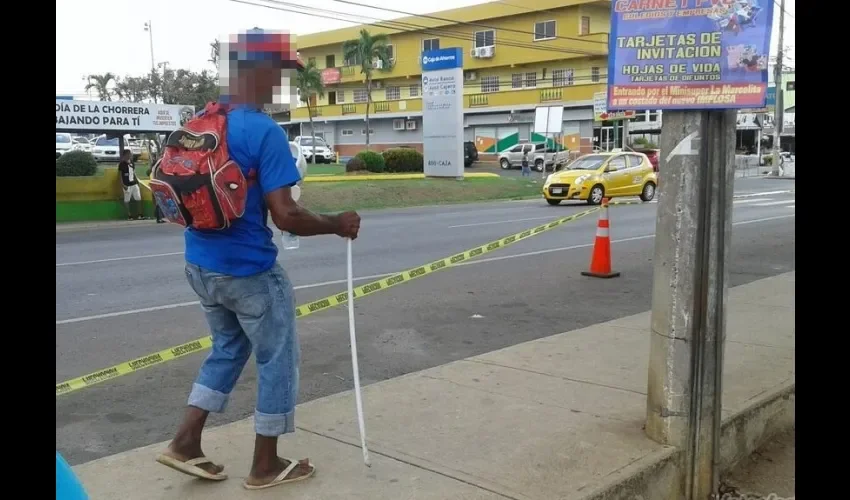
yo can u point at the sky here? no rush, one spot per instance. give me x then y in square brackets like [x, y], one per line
[99, 36]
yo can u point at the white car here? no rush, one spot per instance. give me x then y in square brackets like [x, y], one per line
[107, 149]
[324, 154]
[64, 143]
[82, 144]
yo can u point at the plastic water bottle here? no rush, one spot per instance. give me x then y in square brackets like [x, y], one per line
[290, 241]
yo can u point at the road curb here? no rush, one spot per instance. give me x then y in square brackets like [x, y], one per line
[657, 475]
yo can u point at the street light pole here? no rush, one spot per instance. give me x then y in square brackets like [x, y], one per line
[149, 29]
[779, 108]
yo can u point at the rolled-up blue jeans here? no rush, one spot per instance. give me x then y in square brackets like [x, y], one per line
[244, 314]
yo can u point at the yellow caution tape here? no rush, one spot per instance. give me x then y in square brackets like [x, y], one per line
[200, 344]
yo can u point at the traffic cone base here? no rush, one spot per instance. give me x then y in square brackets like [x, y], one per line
[600, 262]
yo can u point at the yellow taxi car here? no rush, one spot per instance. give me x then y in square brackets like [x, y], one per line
[602, 175]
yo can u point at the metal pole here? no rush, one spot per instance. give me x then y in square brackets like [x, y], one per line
[780, 104]
[150, 38]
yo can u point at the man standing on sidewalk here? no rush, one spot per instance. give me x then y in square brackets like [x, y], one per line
[246, 296]
[130, 183]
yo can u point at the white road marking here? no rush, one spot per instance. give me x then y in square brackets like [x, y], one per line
[383, 275]
[549, 217]
[751, 200]
[791, 206]
[773, 203]
[763, 193]
[114, 259]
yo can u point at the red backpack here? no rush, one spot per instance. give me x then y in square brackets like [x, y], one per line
[195, 183]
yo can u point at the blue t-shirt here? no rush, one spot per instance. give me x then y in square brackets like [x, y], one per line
[246, 248]
[68, 487]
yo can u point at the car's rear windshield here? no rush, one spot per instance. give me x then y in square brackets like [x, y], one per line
[103, 141]
[63, 139]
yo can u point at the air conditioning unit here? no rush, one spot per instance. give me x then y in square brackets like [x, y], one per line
[398, 124]
[378, 64]
[411, 124]
[470, 75]
[483, 52]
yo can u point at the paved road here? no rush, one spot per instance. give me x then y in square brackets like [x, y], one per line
[527, 291]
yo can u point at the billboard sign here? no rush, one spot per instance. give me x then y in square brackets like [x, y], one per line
[442, 112]
[689, 54]
[104, 116]
[601, 113]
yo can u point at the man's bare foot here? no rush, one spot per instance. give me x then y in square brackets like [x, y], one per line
[186, 453]
[260, 476]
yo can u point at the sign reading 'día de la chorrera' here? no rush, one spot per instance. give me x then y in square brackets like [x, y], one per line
[442, 112]
[101, 116]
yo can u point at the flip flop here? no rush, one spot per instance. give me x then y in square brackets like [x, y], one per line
[190, 467]
[281, 478]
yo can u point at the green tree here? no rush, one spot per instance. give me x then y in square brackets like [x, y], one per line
[370, 52]
[132, 88]
[310, 86]
[100, 83]
[214, 54]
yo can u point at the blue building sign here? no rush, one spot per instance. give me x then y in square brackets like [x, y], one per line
[64, 98]
[434, 60]
[771, 96]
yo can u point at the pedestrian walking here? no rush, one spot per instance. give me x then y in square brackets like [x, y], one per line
[248, 300]
[526, 169]
[130, 184]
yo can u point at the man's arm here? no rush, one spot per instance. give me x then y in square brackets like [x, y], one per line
[277, 174]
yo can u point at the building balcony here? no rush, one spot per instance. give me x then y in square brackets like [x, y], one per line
[471, 100]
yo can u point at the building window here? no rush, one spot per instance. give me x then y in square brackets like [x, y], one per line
[330, 61]
[653, 115]
[360, 95]
[562, 77]
[531, 80]
[791, 86]
[414, 91]
[544, 30]
[363, 131]
[489, 84]
[347, 132]
[584, 28]
[393, 93]
[516, 81]
[354, 61]
[430, 44]
[340, 96]
[485, 38]
[391, 52]
[594, 74]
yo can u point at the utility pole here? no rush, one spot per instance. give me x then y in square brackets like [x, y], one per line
[779, 111]
[690, 291]
[149, 29]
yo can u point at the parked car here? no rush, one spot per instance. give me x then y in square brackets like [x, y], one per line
[82, 144]
[595, 176]
[470, 153]
[652, 154]
[300, 161]
[538, 156]
[64, 143]
[107, 149]
[324, 154]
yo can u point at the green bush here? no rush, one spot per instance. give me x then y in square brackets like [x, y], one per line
[76, 164]
[374, 161]
[355, 165]
[404, 160]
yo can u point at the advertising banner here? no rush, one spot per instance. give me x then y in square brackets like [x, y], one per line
[442, 112]
[104, 116]
[689, 54]
[601, 113]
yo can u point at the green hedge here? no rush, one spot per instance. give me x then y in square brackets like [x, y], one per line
[404, 160]
[76, 164]
[355, 165]
[374, 161]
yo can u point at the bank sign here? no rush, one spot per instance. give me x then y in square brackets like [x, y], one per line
[442, 112]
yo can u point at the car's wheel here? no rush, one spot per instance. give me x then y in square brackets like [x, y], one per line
[597, 192]
[504, 163]
[648, 192]
[553, 202]
[538, 165]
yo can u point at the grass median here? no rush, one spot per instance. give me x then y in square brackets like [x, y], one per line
[341, 196]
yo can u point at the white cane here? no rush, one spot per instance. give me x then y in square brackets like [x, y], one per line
[357, 397]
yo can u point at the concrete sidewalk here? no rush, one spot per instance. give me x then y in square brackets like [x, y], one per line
[559, 417]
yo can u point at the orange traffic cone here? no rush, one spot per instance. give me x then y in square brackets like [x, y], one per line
[600, 261]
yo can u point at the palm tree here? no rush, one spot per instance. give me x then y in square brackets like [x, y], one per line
[310, 86]
[368, 51]
[101, 84]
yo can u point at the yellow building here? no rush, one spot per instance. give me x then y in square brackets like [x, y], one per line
[515, 58]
